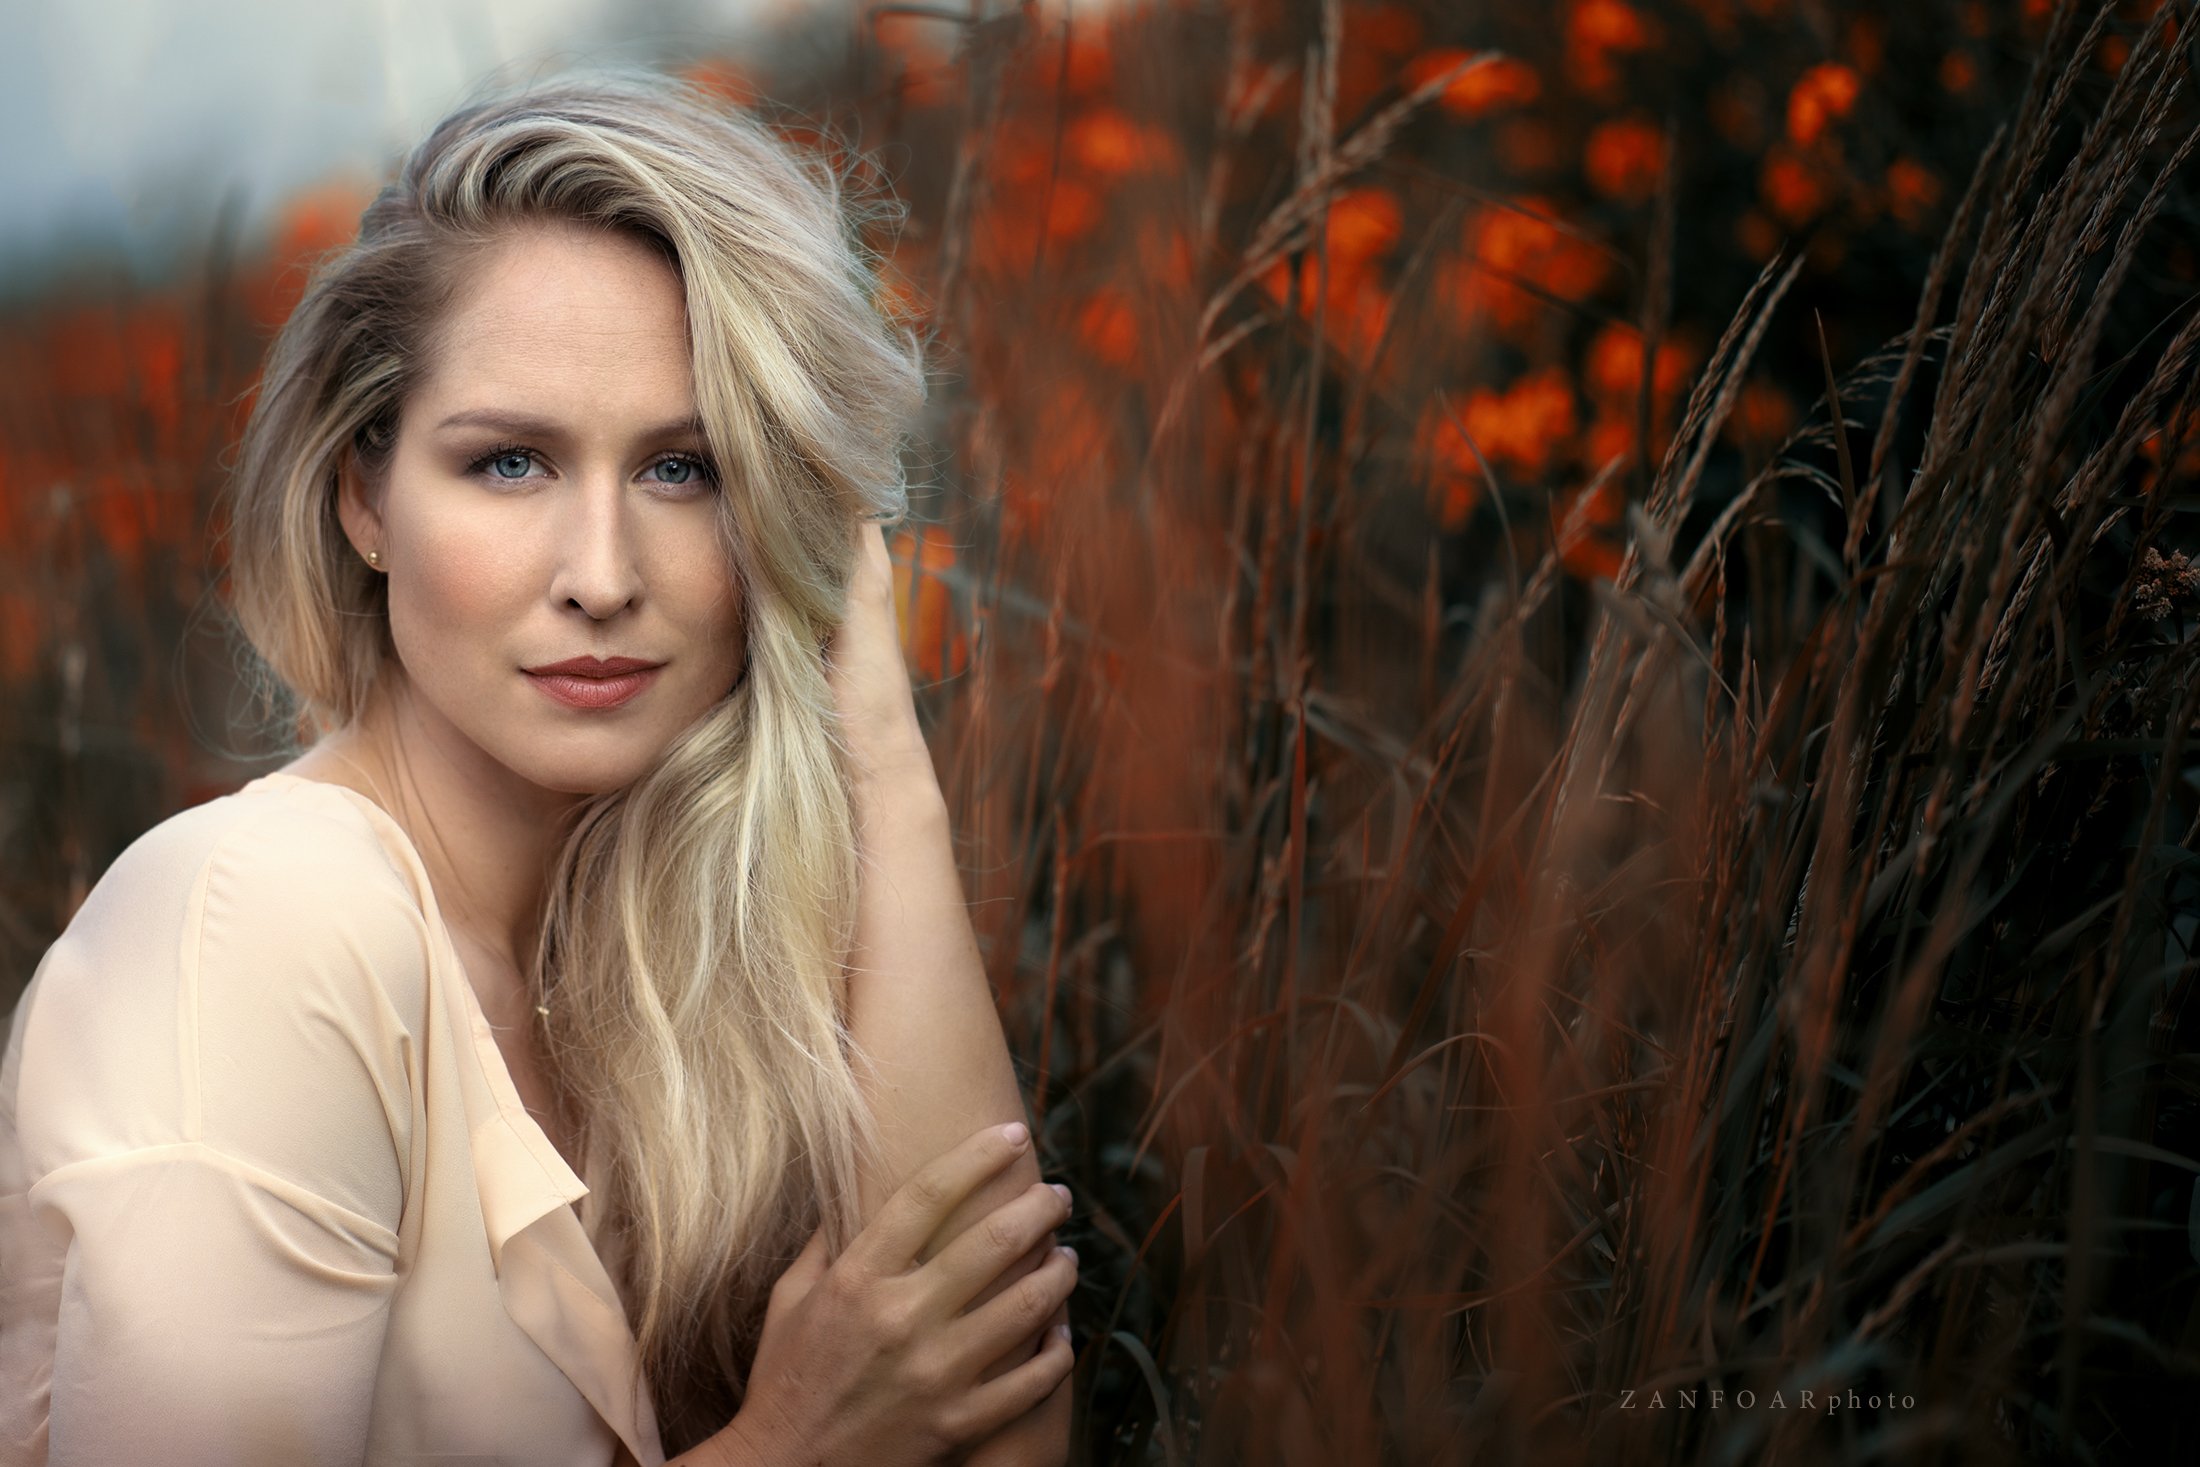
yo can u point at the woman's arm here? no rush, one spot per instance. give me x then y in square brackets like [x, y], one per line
[921, 1007]
[919, 1003]
[213, 1129]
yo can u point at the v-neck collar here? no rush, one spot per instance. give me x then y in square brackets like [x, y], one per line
[552, 1280]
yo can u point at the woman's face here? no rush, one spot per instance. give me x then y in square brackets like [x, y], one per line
[550, 497]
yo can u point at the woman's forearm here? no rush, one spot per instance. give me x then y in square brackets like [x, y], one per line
[921, 1007]
[919, 1002]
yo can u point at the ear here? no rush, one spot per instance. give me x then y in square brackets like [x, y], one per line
[358, 505]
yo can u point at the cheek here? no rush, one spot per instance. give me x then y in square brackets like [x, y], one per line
[720, 631]
[716, 619]
[708, 592]
[454, 589]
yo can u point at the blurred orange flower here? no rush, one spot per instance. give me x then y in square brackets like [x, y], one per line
[929, 636]
[1108, 326]
[1822, 95]
[1609, 23]
[1613, 367]
[923, 67]
[1007, 227]
[1595, 29]
[1363, 223]
[1072, 209]
[1611, 436]
[1525, 426]
[1501, 81]
[1106, 140]
[1912, 191]
[1624, 157]
[1791, 188]
[1763, 416]
[1363, 226]
[1358, 317]
[1504, 244]
[1614, 385]
[1357, 303]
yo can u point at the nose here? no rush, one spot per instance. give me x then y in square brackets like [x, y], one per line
[597, 549]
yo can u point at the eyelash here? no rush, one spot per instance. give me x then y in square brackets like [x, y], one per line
[480, 466]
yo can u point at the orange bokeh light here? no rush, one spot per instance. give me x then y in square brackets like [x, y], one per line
[1500, 81]
[930, 635]
[1624, 157]
[1508, 256]
[1821, 96]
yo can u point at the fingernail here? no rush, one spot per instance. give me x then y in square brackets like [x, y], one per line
[1057, 1186]
[1015, 1133]
[1061, 1332]
[1066, 1251]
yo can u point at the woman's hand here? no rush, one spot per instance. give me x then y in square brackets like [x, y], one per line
[869, 676]
[1041, 1436]
[871, 1360]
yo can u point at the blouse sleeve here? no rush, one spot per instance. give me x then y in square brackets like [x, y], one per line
[219, 1127]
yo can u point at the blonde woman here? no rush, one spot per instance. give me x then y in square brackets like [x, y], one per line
[579, 1054]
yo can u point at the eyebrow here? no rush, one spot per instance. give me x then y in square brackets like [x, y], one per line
[545, 428]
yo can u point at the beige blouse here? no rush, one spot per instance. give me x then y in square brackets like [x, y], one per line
[267, 1192]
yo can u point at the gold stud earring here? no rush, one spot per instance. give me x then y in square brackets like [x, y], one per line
[374, 558]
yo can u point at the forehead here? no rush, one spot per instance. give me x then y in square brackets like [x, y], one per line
[557, 313]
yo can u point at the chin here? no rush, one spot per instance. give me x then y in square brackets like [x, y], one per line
[572, 773]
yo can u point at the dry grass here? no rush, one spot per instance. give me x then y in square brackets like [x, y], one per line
[1511, 940]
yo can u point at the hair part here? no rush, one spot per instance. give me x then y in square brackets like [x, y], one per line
[691, 948]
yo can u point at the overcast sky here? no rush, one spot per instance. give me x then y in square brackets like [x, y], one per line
[123, 122]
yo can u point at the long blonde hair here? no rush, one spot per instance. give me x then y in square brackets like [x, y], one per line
[692, 940]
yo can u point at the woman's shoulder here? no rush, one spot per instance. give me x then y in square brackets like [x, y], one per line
[278, 837]
[251, 973]
[280, 876]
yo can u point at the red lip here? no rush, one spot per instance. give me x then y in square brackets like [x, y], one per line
[578, 690]
[595, 666]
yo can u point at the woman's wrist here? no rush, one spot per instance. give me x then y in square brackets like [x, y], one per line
[734, 1445]
[889, 763]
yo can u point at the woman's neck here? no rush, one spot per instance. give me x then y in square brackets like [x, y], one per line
[486, 836]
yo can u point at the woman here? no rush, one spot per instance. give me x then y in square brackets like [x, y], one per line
[618, 855]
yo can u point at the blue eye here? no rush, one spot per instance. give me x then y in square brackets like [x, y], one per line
[693, 471]
[493, 463]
